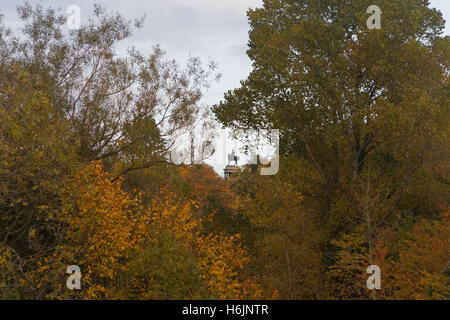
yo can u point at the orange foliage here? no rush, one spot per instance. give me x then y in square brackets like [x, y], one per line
[422, 272]
[106, 226]
[205, 182]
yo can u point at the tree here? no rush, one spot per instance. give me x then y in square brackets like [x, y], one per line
[68, 99]
[217, 204]
[343, 95]
[35, 156]
[126, 110]
[98, 220]
[286, 242]
[422, 271]
[128, 250]
[367, 109]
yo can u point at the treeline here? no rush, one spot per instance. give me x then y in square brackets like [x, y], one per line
[86, 133]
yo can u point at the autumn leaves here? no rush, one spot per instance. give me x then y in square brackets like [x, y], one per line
[127, 250]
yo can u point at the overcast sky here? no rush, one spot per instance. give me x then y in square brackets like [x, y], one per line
[204, 28]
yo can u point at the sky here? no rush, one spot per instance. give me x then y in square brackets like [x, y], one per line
[208, 29]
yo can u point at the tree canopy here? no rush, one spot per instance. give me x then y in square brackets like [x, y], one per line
[86, 178]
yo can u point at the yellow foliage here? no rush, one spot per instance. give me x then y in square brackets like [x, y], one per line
[422, 272]
[106, 226]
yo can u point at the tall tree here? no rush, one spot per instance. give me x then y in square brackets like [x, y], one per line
[368, 109]
[342, 94]
[122, 107]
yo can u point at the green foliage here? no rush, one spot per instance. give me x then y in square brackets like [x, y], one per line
[286, 241]
[166, 269]
[365, 110]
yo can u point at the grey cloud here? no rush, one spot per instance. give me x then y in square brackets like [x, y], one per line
[215, 29]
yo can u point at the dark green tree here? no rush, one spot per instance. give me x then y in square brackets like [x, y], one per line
[367, 109]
